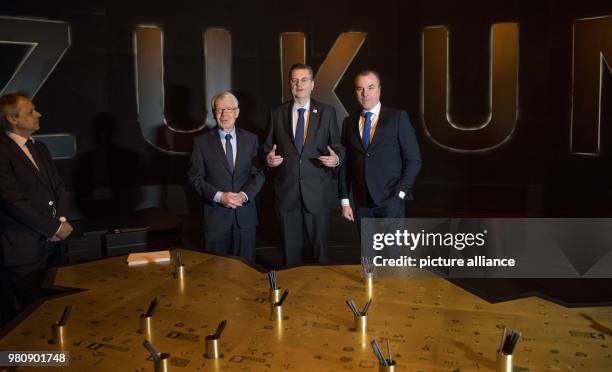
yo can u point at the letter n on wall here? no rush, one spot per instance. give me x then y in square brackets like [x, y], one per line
[592, 57]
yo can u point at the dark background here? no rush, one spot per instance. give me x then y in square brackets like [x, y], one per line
[116, 173]
[91, 94]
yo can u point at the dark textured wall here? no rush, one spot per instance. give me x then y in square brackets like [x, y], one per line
[91, 94]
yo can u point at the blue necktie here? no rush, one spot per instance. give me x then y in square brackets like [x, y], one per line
[365, 137]
[229, 151]
[299, 131]
[30, 145]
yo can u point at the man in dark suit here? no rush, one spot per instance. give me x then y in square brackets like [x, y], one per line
[382, 158]
[225, 171]
[31, 215]
[302, 148]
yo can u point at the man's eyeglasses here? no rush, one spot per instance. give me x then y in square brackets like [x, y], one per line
[302, 80]
[221, 111]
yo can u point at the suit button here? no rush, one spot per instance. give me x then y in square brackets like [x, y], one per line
[368, 155]
[301, 179]
[300, 161]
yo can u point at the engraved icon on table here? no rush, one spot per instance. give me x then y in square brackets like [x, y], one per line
[161, 361]
[506, 350]
[58, 329]
[212, 342]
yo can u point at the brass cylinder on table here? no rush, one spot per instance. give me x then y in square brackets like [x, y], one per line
[274, 295]
[212, 347]
[163, 365]
[146, 326]
[58, 334]
[179, 272]
[504, 362]
[276, 312]
[388, 368]
[361, 323]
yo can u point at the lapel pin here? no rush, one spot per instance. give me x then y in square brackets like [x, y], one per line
[314, 111]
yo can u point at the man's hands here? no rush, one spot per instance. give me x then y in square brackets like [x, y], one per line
[347, 212]
[232, 199]
[64, 231]
[272, 159]
[330, 160]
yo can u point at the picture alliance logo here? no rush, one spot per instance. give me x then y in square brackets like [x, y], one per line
[411, 240]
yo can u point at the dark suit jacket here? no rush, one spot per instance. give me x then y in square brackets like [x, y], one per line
[389, 165]
[209, 172]
[304, 176]
[26, 218]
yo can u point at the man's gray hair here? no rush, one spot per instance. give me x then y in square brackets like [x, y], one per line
[220, 95]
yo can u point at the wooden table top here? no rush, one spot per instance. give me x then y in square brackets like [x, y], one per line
[433, 325]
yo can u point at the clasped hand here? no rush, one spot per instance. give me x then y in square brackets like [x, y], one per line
[63, 232]
[232, 199]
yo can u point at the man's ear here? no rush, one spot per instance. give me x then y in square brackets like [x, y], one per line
[11, 118]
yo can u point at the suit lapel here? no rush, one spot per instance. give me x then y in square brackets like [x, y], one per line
[241, 154]
[18, 153]
[380, 126]
[313, 123]
[354, 137]
[219, 149]
[289, 123]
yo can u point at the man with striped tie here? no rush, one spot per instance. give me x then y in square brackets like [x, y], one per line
[382, 156]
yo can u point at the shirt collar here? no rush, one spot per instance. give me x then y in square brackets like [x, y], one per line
[374, 110]
[296, 106]
[222, 133]
[19, 140]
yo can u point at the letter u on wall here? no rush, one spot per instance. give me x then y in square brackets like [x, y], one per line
[436, 92]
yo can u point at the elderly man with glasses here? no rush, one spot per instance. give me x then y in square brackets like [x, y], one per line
[224, 170]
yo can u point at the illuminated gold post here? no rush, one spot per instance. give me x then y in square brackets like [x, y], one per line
[212, 347]
[276, 312]
[504, 362]
[361, 323]
[146, 326]
[368, 279]
[179, 272]
[274, 295]
[58, 333]
[389, 368]
[163, 365]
